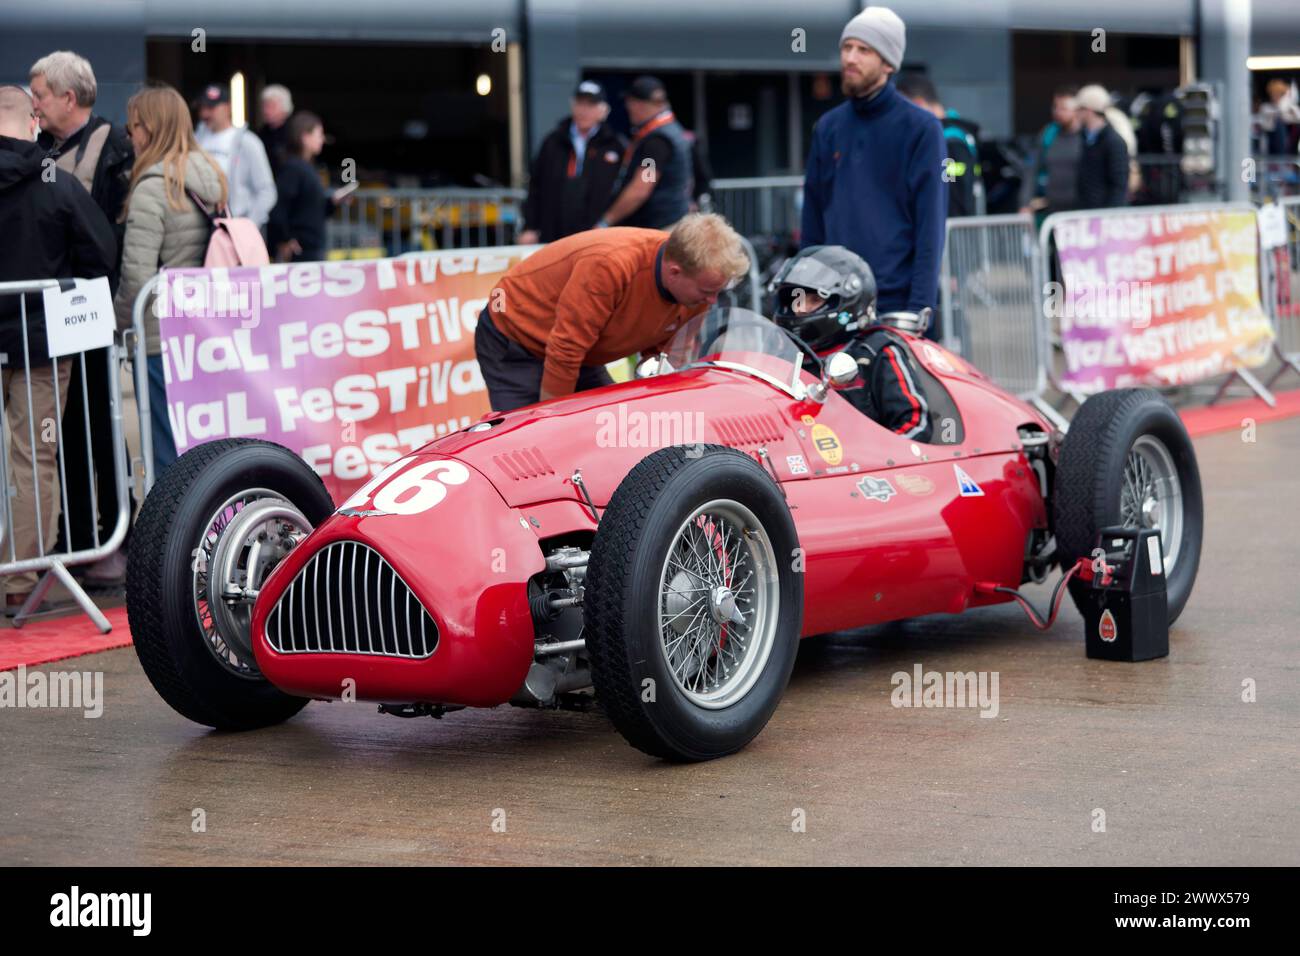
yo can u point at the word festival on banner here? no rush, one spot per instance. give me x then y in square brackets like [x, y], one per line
[1158, 298]
[351, 365]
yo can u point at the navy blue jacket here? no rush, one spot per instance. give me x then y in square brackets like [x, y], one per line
[874, 183]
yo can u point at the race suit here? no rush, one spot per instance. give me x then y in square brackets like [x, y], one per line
[887, 389]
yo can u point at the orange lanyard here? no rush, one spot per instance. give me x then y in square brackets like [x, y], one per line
[663, 119]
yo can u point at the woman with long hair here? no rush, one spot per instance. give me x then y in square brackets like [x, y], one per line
[166, 227]
[297, 225]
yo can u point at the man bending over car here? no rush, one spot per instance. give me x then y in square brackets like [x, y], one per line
[826, 295]
[557, 317]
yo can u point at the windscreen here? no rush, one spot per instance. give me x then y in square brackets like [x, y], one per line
[738, 338]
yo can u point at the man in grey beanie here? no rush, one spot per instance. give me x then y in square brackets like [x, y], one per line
[874, 180]
[881, 37]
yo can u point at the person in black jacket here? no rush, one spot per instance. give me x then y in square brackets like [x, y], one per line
[654, 184]
[1160, 133]
[575, 169]
[277, 110]
[1104, 161]
[962, 172]
[297, 226]
[99, 154]
[52, 229]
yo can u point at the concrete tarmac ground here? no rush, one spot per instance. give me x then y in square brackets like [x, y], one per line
[1185, 772]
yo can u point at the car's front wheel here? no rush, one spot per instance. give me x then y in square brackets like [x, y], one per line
[694, 603]
[210, 531]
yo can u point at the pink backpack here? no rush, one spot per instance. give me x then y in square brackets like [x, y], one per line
[234, 241]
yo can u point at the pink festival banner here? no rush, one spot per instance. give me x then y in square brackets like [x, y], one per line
[1158, 298]
[349, 364]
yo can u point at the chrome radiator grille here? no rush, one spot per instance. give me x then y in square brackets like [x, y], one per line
[348, 600]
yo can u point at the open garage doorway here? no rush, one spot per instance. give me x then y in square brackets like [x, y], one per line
[409, 115]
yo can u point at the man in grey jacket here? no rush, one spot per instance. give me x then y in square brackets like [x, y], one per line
[1051, 179]
[241, 154]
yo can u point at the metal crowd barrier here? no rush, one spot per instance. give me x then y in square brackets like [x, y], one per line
[140, 362]
[760, 206]
[990, 304]
[993, 298]
[54, 563]
[1282, 292]
[391, 222]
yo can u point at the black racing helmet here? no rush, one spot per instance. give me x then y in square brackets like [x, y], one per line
[837, 284]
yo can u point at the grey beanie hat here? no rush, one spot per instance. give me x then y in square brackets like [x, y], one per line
[881, 29]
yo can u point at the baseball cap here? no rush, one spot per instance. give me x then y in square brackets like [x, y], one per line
[645, 88]
[213, 94]
[590, 89]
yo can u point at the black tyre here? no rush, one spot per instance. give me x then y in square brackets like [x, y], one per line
[693, 606]
[185, 644]
[1127, 460]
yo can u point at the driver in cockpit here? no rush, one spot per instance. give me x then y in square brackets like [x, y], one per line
[826, 295]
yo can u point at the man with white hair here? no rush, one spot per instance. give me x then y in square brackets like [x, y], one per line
[99, 155]
[874, 180]
[574, 171]
[277, 107]
[89, 147]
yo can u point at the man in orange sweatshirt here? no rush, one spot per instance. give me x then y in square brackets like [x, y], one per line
[557, 317]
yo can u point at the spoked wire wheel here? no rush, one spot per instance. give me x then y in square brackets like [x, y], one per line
[1151, 496]
[718, 601]
[693, 602]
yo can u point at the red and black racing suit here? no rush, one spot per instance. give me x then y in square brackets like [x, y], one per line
[887, 389]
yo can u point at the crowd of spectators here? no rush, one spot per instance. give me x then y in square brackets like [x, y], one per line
[83, 196]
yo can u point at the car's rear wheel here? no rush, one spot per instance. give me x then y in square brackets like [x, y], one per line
[1127, 460]
[208, 534]
[693, 603]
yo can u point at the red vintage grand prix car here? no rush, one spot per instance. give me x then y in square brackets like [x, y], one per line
[664, 542]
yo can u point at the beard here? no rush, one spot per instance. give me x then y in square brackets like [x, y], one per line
[860, 84]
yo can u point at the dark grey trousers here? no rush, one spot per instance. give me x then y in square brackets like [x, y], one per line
[513, 374]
